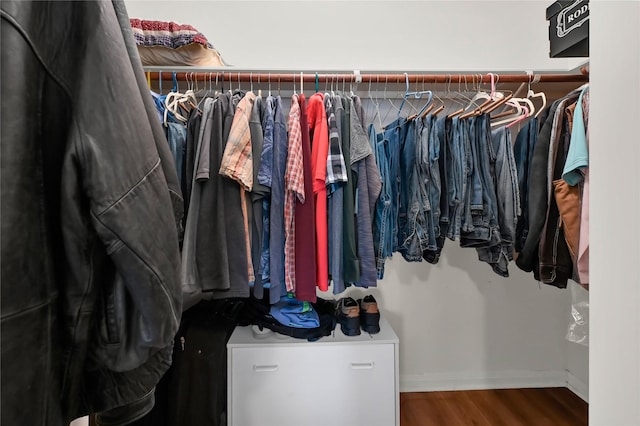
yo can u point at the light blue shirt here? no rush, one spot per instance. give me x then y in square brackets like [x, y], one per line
[578, 155]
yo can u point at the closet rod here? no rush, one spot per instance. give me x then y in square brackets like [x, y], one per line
[200, 74]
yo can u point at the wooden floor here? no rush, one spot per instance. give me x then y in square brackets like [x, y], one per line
[509, 407]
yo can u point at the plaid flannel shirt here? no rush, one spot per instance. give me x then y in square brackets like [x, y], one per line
[336, 169]
[294, 186]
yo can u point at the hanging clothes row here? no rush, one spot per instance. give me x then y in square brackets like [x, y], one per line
[552, 158]
[276, 200]
[301, 200]
[446, 177]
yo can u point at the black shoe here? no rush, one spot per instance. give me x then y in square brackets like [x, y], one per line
[348, 316]
[369, 315]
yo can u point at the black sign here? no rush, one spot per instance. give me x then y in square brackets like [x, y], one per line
[569, 29]
[572, 17]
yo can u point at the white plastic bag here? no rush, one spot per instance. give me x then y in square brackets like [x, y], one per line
[578, 331]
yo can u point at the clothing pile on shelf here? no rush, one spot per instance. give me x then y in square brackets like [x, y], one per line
[300, 200]
[169, 44]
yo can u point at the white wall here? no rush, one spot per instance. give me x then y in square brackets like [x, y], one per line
[369, 35]
[463, 327]
[460, 325]
[614, 227]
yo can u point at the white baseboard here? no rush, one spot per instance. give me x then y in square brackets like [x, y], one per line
[494, 380]
[578, 387]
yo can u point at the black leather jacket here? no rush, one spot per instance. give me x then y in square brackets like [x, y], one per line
[90, 205]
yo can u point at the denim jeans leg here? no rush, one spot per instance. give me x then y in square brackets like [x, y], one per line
[395, 134]
[381, 234]
[407, 170]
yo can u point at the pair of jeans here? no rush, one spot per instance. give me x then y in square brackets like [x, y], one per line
[405, 196]
[508, 203]
[456, 178]
[440, 155]
[483, 229]
[382, 213]
[414, 237]
[395, 133]
[434, 187]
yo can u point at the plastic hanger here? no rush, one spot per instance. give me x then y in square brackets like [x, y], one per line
[496, 99]
[493, 97]
[512, 103]
[525, 112]
[541, 95]
[415, 94]
[524, 116]
[174, 78]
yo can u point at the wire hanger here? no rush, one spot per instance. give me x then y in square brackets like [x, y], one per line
[384, 98]
[376, 102]
[294, 86]
[417, 95]
[458, 111]
[259, 87]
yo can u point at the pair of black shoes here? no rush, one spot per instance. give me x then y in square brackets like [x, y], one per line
[352, 315]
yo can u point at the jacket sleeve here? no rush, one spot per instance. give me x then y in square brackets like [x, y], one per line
[129, 189]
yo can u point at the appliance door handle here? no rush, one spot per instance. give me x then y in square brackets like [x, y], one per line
[362, 365]
[265, 368]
